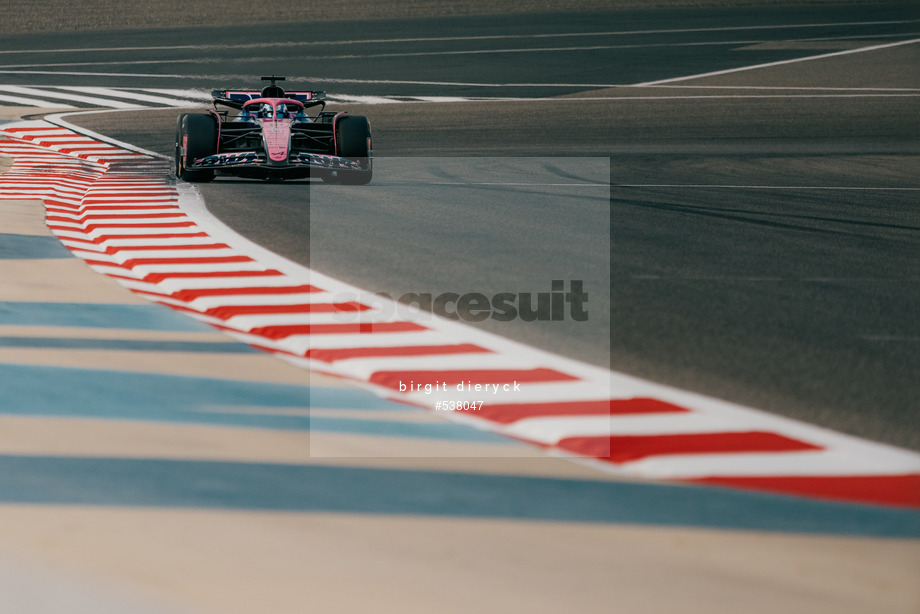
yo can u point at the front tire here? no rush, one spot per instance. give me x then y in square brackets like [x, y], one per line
[198, 133]
[353, 141]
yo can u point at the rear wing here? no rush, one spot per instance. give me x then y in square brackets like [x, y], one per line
[237, 98]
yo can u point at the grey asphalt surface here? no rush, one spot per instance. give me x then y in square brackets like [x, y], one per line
[764, 244]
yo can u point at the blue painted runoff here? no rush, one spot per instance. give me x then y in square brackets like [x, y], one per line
[321, 488]
[30, 247]
[119, 395]
[97, 315]
[143, 345]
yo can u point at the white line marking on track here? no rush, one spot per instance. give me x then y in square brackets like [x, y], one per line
[350, 56]
[45, 93]
[780, 63]
[406, 54]
[58, 119]
[344, 98]
[347, 56]
[117, 93]
[35, 102]
[377, 41]
[204, 96]
[189, 94]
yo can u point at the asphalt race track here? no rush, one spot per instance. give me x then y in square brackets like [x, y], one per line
[763, 241]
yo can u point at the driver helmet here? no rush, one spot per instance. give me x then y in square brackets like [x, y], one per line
[266, 111]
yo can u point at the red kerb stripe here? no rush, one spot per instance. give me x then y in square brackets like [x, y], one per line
[897, 490]
[168, 235]
[66, 240]
[332, 355]
[192, 294]
[158, 277]
[41, 128]
[129, 216]
[228, 311]
[139, 201]
[92, 227]
[512, 412]
[151, 248]
[75, 141]
[203, 260]
[629, 448]
[60, 203]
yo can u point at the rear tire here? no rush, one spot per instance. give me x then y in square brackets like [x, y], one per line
[199, 131]
[353, 141]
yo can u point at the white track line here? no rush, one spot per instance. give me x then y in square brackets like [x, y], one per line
[119, 93]
[779, 63]
[46, 93]
[35, 102]
[377, 41]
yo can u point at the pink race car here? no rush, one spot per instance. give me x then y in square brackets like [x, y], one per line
[270, 135]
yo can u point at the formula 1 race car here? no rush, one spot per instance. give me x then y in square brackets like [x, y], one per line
[269, 135]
